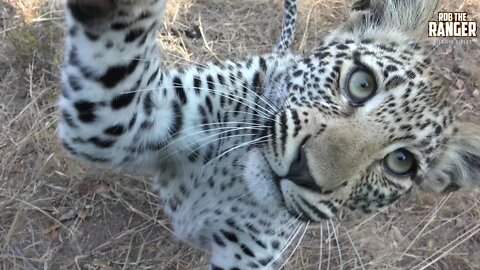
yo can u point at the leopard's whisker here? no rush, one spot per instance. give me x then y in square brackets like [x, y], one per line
[239, 146]
[221, 124]
[297, 245]
[230, 96]
[355, 250]
[235, 76]
[263, 111]
[338, 244]
[206, 143]
[290, 240]
[329, 246]
[267, 102]
[321, 246]
[226, 131]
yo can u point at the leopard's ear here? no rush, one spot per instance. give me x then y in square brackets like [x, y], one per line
[458, 167]
[408, 17]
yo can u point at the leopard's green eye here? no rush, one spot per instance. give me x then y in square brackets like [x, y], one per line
[361, 86]
[400, 162]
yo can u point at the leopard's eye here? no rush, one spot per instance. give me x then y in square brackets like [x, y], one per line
[361, 86]
[400, 163]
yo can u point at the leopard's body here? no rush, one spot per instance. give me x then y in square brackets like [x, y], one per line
[223, 139]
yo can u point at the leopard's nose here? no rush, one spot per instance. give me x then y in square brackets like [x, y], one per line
[299, 172]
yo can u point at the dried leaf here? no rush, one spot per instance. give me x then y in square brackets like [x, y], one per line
[99, 188]
[70, 214]
[52, 232]
[101, 263]
[397, 235]
[83, 189]
[476, 93]
[102, 189]
[82, 214]
[431, 244]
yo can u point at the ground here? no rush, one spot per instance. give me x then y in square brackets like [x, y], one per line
[56, 213]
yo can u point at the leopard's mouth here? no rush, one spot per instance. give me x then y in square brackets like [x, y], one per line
[295, 192]
[302, 196]
[299, 173]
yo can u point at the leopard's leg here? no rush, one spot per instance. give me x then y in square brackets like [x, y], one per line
[289, 26]
[111, 66]
[121, 109]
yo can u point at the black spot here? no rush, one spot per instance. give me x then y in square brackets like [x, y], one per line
[265, 261]
[411, 74]
[257, 83]
[197, 84]
[148, 103]
[275, 244]
[209, 104]
[193, 156]
[221, 79]
[73, 31]
[247, 250]
[147, 124]
[69, 148]
[177, 119]
[102, 143]
[133, 34]
[120, 26]
[218, 240]
[214, 267]
[109, 44]
[122, 100]
[154, 75]
[178, 86]
[394, 82]
[230, 236]
[391, 68]
[91, 36]
[451, 187]
[210, 83]
[74, 83]
[132, 121]
[116, 74]
[67, 117]
[85, 111]
[87, 12]
[298, 73]
[115, 130]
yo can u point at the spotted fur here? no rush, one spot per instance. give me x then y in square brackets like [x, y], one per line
[245, 150]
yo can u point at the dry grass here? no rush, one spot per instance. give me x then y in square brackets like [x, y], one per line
[58, 214]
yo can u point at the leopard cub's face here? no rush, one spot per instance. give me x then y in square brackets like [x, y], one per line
[364, 118]
[361, 123]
